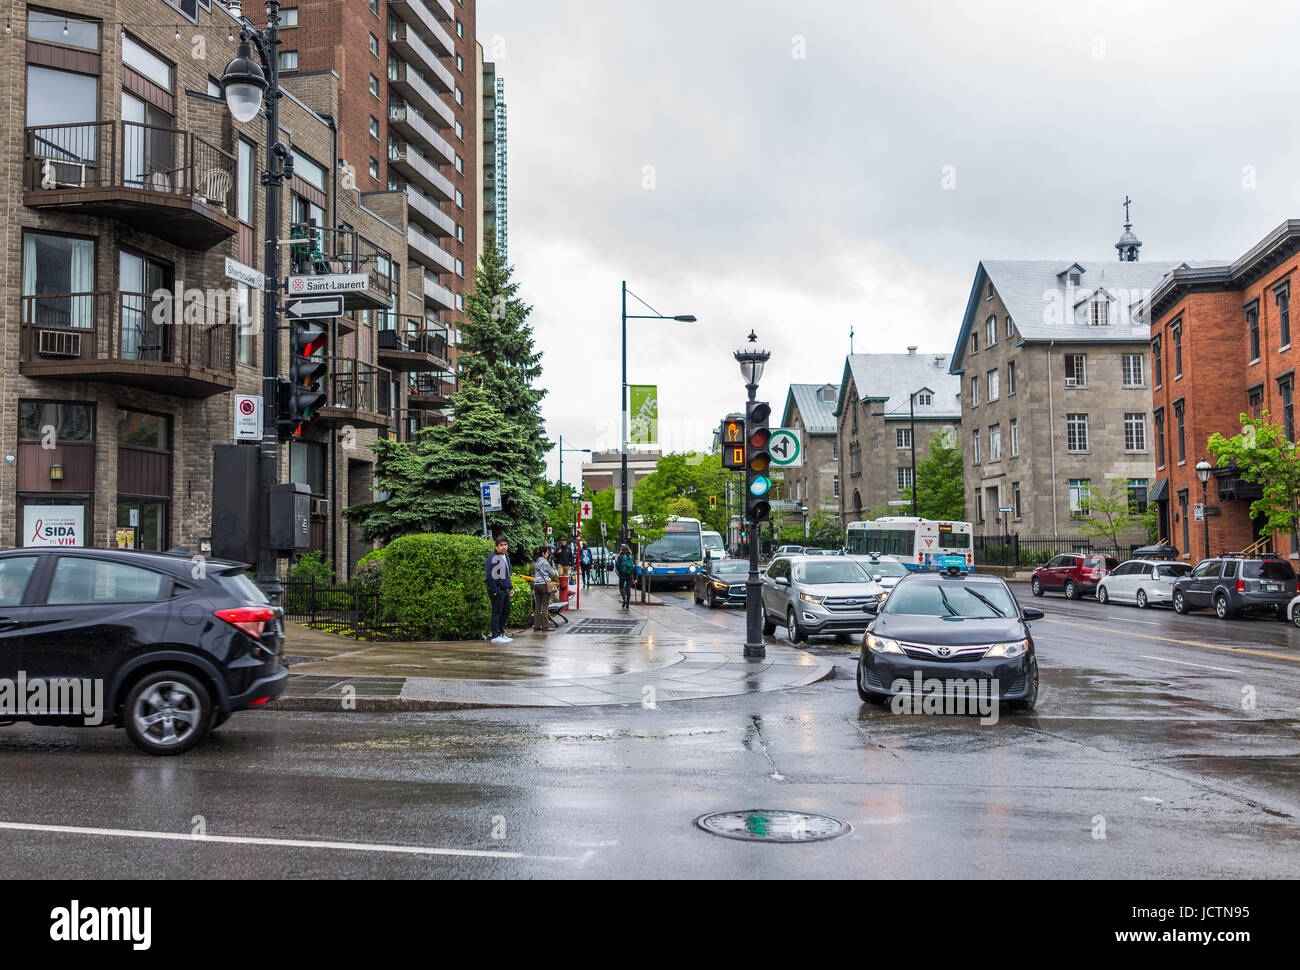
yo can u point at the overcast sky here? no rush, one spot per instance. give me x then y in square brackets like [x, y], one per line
[781, 167]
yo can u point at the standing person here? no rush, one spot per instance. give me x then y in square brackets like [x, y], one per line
[543, 587]
[564, 558]
[500, 588]
[625, 566]
[586, 566]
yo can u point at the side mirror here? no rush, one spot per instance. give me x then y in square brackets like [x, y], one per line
[877, 578]
[1033, 613]
[871, 608]
[783, 580]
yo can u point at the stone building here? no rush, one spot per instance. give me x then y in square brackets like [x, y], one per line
[879, 394]
[810, 409]
[1055, 376]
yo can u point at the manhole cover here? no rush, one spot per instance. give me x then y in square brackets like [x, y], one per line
[607, 627]
[773, 825]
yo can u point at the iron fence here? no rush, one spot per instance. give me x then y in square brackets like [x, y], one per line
[1029, 552]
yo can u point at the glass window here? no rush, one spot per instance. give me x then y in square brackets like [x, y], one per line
[1137, 495]
[1135, 432]
[148, 520]
[1076, 432]
[71, 422]
[1283, 296]
[374, 168]
[1015, 497]
[311, 172]
[974, 343]
[1015, 437]
[1080, 490]
[993, 385]
[975, 440]
[288, 16]
[1208, 568]
[1176, 332]
[991, 331]
[995, 442]
[374, 85]
[245, 194]
[1160, 438]
[1100, 313]
[139, 57]
[247, 329]
[59, 273]
[1133, 370]
[1076, 370]
[307, 465]
[904, 479]
[14, 574]
[1252, 330]
[138, 429]
[62, 98]
[64, 29]
[374, 127]
[951, 599]
[374, 45]
[1272, 569]
[903, 437]
[1011, 378]
[974, 391]
[79, 580]
[288, 60]
[242, 585]
[1229, 569]
[1182, 438]
[1286, 389]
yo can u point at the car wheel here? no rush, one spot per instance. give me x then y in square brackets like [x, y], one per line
[1221, 609]
[1028, 702]
[1103, 597]
[1142, 599]
[1036, 586]
[167, 712]
[1180, 604]
[768, 626]
[793, 632]
[1071, 591]
[713, 601]
[1295, 617]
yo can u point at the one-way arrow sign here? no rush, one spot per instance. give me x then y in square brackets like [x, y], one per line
[314, 307]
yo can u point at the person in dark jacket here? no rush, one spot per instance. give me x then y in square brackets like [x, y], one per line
[625, 566]
[587, 562]
[500, 588]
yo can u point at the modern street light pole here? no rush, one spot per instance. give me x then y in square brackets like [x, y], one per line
[623, 403]
[562, 451]
[1203, 469]
[245, 86]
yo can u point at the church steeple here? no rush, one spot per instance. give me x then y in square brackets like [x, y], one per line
[1128, 244]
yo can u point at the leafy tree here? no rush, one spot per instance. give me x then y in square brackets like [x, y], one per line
[941, 490]
[433, 484]
[1110, 512]
[683, 508]
[497, 351]
[1263, 455]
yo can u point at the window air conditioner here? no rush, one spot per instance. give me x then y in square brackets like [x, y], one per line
[57, 174]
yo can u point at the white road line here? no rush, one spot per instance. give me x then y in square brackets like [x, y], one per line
[282, 843]
[1188, 663]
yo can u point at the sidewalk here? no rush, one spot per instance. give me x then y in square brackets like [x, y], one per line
[604, 655]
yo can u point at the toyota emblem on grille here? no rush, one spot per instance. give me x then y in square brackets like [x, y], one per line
[944, 651]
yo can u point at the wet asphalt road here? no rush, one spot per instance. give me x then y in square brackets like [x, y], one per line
[1140, 728]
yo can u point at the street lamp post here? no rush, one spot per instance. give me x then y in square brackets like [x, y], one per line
[623, 403]
[246, 86]
[752, 360]
[1203, 473]
[563, 449]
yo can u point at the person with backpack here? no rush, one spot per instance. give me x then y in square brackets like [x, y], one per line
[587, 562]
[625, 566]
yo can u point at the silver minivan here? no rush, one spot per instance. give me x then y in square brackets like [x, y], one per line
[1141, 581]
[816, 595]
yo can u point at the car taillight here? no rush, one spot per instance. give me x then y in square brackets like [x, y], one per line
[1241, 586]
[251, 619]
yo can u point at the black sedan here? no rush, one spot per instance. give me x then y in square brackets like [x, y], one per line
[722, 582]
[940, 631]
[162, 645]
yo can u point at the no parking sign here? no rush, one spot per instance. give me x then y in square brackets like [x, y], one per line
[248, 417]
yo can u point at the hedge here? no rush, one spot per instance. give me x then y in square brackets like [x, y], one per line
[433, 586]
[521, 606]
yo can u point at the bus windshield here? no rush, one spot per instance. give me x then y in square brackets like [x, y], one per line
[679, 543]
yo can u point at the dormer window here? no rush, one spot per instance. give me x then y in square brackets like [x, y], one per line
[923, 400]
[1099, 313]
[1075, 279]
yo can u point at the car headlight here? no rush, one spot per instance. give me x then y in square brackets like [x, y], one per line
[811, 599]
[1008, 650]
[883, 595]
[720, 586]
[881, 645]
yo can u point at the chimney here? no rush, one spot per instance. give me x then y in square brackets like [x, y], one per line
[911, 351]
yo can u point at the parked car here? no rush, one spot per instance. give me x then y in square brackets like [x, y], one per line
[722, 582]
[789, 551]
[175, 649]
[1234, 584]
[1142, 581]
[714, 547]
[886, 570]
[1293, 611]
[953, 627]
[1074, 573]
[815, 595]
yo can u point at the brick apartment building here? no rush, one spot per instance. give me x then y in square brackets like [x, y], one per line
[874, 424]
[1056, 389]
[129, 178]
[810, 408]
[1221, 339]
[410, 120]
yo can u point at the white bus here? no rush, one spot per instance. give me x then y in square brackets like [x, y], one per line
[920, 544]
[676, 556]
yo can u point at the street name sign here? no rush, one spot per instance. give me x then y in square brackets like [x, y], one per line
[327, 283]
[786, 448]
[314, 307]
[240, 273]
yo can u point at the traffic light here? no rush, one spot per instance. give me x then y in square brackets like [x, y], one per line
[713, 503]
[733, 444]
[758, 461]
[300, 398]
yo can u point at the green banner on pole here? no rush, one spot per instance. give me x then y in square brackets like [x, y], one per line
[644, 404]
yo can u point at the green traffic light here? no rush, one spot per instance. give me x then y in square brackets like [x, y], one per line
[760, 486]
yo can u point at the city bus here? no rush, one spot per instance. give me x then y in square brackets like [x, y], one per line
[920, 544]
[675, 557]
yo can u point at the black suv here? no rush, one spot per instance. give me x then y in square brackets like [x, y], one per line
[165, 646]
[1234, 583]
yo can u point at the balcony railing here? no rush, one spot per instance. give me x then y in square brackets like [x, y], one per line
[438, 295]
[414, 125]
[421, 171]
[167, 182]
[414, 87]
[357, 393]
[130, 338]
[407, 425]
[426, 210]
[348, 253]
[415, 344]
[431, 390]
[425, 22]
[425, 251]
[407, 42]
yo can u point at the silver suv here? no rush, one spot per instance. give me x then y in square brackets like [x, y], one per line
[815, 595]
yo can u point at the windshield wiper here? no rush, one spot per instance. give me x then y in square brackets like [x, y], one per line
[985, 601]
[944, 597]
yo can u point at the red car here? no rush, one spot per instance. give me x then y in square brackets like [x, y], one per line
[1074, 573]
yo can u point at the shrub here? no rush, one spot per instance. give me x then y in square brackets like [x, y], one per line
[433, 586]
[521, 606]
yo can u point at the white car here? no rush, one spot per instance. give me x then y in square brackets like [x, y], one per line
[1142, 581]
[712, 542]
[1293, 611]
[885, 570]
